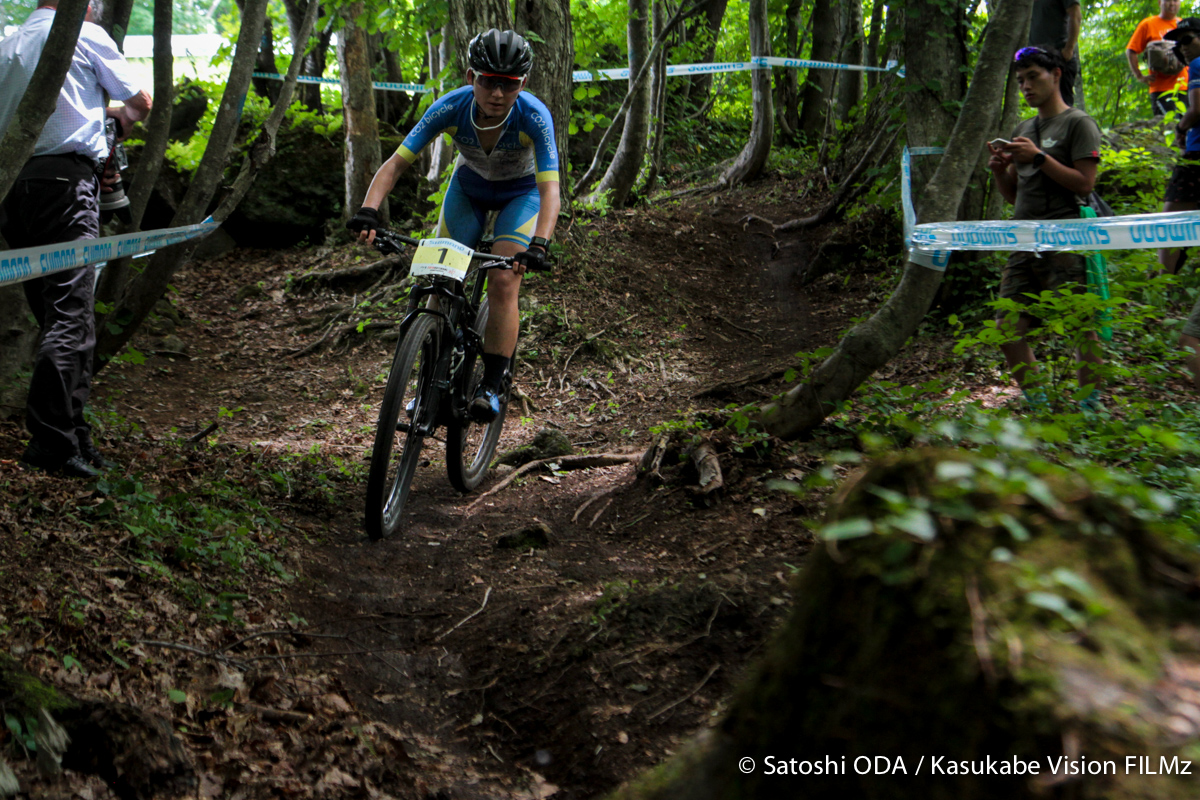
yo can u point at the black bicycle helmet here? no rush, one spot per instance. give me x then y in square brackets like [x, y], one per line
[497, 52]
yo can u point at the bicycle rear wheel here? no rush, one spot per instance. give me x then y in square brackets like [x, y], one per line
[398, 435]
[470, 445]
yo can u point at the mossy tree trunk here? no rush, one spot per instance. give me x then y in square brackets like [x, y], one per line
[983, 608]
[135, 753]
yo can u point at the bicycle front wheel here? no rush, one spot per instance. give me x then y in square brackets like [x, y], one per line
[470, 445]
[405, 417]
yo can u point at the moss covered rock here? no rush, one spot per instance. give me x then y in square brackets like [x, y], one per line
[968, 609]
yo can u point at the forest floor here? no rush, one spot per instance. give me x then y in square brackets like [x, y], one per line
[221, 577]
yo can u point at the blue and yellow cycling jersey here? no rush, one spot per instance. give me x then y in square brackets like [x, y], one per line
[526, 147]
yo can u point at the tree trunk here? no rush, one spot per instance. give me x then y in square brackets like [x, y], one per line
[145, 289]
[818, 87]
[658, 93]
[158, 134]
[266, 87]
[314, 61]
[876, 30]
[554, 59]
[701, 86]
[622, 173]
[849, 82]
[753, 158]
[788, 89]
[870, 344]
[440, 152]
[471, 17]
[18, 340]
[358, 112]
[116, 20]
[393, 106]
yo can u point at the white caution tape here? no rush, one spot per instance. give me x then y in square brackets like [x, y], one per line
[931, 243]
[1133, 232]
[932, 259]
[758, 62]
[622, 74]
[381, 85]
[33, 262]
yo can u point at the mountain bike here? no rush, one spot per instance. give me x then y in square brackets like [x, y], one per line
[434, 374]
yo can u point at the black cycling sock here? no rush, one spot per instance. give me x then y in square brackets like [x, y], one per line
[493, 370]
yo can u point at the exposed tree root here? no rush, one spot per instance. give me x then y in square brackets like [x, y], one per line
[350, 277]
[708, 467]
[564, 463]
[726, 387]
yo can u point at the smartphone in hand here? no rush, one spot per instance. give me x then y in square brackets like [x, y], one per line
[998, 143]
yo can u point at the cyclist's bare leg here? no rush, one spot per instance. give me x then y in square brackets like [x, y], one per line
[504, 318]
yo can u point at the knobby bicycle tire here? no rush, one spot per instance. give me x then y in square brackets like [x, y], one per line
[470, 445]
[396, 452]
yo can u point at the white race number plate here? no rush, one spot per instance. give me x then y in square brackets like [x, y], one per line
[444, 257]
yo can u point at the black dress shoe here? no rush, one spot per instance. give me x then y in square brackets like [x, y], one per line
[72, 467]
[91, 455]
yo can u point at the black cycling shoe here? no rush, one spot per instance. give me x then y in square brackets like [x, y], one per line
[485, 406]
[91, 455]
[71, 467]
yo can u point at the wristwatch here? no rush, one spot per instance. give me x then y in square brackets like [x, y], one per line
[1039, 159]
[538, 241]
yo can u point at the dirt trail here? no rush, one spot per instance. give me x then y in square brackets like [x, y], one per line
[518, 673]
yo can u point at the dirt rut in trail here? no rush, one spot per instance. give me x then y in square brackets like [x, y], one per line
[559, 670]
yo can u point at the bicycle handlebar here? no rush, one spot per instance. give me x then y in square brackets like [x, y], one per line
[389, 243]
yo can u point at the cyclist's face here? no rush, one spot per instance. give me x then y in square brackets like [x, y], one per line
[1169, 9]
[495, 94]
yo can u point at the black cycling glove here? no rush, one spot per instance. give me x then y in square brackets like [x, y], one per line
[533, 259]
[367, 219]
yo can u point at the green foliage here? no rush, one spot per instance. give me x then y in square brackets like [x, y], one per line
[210, 524]
[1142, 446]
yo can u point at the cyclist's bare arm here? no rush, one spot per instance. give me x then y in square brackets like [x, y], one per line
[548, 212]
[382, 185]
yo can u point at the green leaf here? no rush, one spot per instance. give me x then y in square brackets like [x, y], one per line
[954, 470]
[916, 522]
[848, 529]
[177, 696]
[1074, 581]
[1055, 603]
[1014, 527]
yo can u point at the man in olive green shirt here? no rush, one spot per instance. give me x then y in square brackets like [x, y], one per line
[1046, 172]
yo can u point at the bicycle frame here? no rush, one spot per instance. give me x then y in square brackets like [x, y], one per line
[458, 320]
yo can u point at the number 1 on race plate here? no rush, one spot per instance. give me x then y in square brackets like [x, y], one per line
[444, 257]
